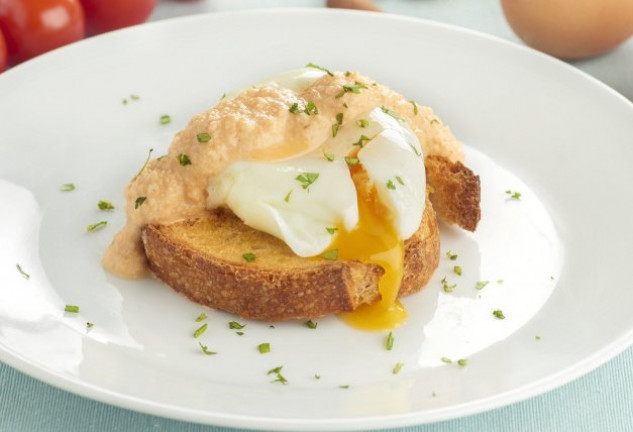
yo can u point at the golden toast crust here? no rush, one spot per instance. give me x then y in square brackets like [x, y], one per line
[203, 259]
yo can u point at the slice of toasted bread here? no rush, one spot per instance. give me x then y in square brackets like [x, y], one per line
[204, 260]
[455, 192]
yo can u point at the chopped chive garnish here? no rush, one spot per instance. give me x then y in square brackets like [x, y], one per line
[457, 270]
[236, 326]
[200, 330]
[280, 378]
[351, 88]
[287, 197]
[201, 317]
[67, 187]
[331, 255]
[316, 66]
[344, 386]
[206, 350]
[165, 119]
[451, 256]
[71, 309]
[390, 185]
[306, 179]
[105, 205]
[362, 141]
[389, 341]
[363, 123]
[397, 368]
[392, 113]
[263, 348]
[249, 256]
[446, 360]
[331, 230]
[415, 107]
[462, 362]
[96, 226]
[294, 108]
[399, 180]
[89, 325]
[446, 287]
[339, 118]
[481, 285]
[149, 155]
[311, 324]
[317, 376]
[514, 195]
[335, 127]
[183, 159]
[139, 201]
[328, 156]
[203, 137]
[351, 161]
[311, 108]
[498, 314]
[24, 274]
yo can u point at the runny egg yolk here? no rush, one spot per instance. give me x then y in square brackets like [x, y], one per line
[374, 240]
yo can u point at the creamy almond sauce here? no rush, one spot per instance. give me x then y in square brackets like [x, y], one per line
[255, 125]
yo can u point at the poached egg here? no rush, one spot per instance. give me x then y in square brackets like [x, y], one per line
[358, 196]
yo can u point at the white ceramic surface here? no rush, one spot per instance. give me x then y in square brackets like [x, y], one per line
[556, 260]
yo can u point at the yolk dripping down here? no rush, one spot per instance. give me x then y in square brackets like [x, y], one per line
[374, 240]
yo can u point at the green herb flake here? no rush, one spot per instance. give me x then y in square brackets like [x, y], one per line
[397, 368]
[165, 119]
[537, 337]
[362, 141]
[451, 256]
[67, 187]
[277, 372]
[498, 314]
[462, 362]
[351, 88]
[139, 202]
[351, 161]
[311, 108]
[183, 159]
[392, 113]
[481, 285]
[307, 178]
[513, 195]
[317, 376]
[89, 325]
[71, 309]
[415, 107]
[446, 287]
[236, 326]
[389, 341]
[331, 255]
[201, 317]
[316, 66]
[287, 197]
[446, 360]
[24, 274]
[339, 118]
[105, 205]
[457, 270]
[263, 348]
[134, 97]
[294, 108]
[399, 180]
[331, 230]
[335, 128]
[203, 137]
[362, 123]
[149, 155]
[311, 324]
[391, 185]
[249, 256]
[205, 349]
[200, 330]
[96, 226]
[344, 386]
[329, 156]
[239, 333]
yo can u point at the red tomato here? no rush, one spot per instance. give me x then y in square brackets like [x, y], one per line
[107, 15]
[32, 27]
[3, 53]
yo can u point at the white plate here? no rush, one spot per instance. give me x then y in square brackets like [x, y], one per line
[556, 259]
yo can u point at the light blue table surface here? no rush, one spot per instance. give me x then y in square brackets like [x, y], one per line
[599, 401]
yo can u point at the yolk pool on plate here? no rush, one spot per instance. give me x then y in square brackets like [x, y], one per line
[375, 240]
